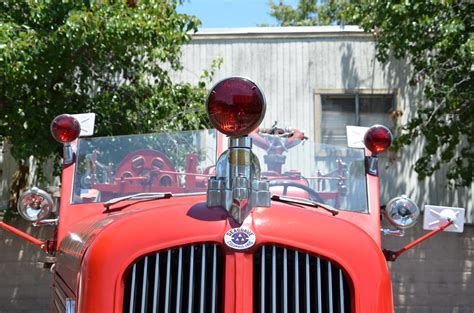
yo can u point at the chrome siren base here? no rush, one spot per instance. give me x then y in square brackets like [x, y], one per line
[237, 186]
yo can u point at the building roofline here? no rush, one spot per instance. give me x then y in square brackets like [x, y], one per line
[279, 32]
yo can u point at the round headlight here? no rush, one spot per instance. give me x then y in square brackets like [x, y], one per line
[35, 204]
[402, 212]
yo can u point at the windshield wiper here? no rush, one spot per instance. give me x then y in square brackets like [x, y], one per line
[307, 202]
[138, 196]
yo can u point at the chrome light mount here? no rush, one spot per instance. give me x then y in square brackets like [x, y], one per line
[35, 205]
[237, 186]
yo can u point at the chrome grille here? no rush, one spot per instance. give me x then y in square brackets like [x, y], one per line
[290, 281]
[185, 279]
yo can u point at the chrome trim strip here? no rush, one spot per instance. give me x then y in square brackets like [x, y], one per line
[297, 284]
[214, 279]
[274, 279]
[168, 283]
[203, 277]
[156, 285]
[285, 281]
[308, 302]
[341, 292]
[178, 286]
[318, 278]
[262, 297]
[59, 310]
[60, 295]
[145, 271]
[191, 281]
[330, 287]
[132, 292]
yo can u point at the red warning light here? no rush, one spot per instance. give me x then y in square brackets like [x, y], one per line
[236, 106]
[377, 139]
[65, 128]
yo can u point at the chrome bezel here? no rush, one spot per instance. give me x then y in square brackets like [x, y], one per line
[412, 216]
[46, 204]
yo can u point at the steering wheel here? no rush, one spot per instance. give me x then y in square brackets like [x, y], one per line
[313, 195]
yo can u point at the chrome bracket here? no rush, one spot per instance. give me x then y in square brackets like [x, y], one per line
[237, 186]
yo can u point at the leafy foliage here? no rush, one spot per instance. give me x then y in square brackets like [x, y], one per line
[309, 13]
[114, 58]
[436, 38]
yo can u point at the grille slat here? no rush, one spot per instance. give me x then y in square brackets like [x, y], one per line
[180, 275]
[203, 279]
[182, 279]
[145, 270]
[291, 281]
[156, 284]
[274, 283]
[330, 299]
[341, 291]
[285, 280]
[214, 278]
[168, 282]
[297, 283]
[191, 281]
[320, 297]
[308, 303]
[132, 293]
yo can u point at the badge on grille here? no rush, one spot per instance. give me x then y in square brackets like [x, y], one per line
[239, 238]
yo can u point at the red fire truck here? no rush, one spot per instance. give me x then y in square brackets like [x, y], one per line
[174, 222]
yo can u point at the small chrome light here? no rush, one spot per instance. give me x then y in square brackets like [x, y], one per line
[402, 212]
[35, 204]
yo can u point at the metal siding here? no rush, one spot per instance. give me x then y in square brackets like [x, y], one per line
[289, 70]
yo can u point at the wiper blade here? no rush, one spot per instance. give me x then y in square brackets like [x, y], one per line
[307, 202]
[138, 196]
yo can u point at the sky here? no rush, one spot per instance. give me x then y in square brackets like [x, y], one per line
[231, 13]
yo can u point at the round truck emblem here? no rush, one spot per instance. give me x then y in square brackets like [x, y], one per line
[239, 238]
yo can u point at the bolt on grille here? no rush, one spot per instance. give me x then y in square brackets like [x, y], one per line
[185, 279]
[290, 281]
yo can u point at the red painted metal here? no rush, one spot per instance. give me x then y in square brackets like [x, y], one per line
[118, 239]
[23, 235]
[393, 255]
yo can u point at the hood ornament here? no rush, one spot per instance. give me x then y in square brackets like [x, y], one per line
[236, 106]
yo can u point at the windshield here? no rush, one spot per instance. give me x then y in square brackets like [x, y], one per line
[111, 167]
[331, 175]
[182, 162]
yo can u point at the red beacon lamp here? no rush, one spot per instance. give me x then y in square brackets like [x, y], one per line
[65, 129]
[236, 106]
[377, 139]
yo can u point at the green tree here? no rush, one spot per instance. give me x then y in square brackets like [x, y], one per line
[436, 38]
[114, 58]
[309, 13]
